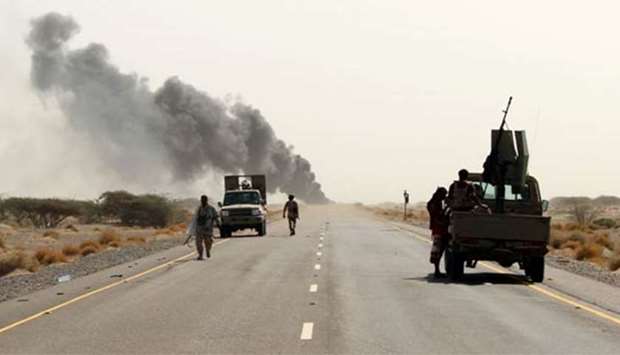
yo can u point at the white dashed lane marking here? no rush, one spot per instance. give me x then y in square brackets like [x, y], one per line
[318, 253]
[320, 245]
[306, 331]
[317, 267]
[314, 287]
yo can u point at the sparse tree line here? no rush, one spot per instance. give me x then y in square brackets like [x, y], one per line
[120, 207]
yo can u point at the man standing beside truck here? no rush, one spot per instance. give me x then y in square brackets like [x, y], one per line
[438, 226]
[202, 224]
[292, 209]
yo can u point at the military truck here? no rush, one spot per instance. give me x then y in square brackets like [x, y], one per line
[243, 207]
[513, 228]
[519, 235]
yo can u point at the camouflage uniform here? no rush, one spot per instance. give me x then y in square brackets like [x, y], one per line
[205, 218]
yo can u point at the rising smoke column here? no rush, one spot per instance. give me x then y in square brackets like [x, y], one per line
[177, 131]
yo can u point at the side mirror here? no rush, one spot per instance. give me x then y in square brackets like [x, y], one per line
[545, 205]
[219, 204]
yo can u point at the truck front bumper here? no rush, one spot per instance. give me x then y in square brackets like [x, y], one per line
[240, 221]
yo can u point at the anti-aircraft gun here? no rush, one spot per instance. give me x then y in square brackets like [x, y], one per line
[505, 166]
[514, 230]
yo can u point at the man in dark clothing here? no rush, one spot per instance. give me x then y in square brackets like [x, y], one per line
[439, 227]
[292, 209]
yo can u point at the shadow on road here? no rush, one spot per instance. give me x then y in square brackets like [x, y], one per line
[476, 279]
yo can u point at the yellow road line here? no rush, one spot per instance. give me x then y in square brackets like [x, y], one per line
[96, 291]
[557, 296]
[554, 295]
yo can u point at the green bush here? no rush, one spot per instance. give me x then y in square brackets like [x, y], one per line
[137, 210]
[42, 213]
[605, 222]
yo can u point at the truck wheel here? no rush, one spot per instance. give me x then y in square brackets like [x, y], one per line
[535, 268]
[455, 265]
[223, 232]
[458, 266]
[262, 229]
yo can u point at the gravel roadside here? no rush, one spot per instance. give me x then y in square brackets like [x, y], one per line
[584, 268]
[13, 286]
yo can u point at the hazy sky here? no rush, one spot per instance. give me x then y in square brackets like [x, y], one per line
[378, 95]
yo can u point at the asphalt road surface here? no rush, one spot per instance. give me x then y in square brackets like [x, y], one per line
[346, 283]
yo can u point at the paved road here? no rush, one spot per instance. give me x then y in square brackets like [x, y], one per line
[368, 291]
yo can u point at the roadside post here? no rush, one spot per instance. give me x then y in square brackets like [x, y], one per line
[406, 196]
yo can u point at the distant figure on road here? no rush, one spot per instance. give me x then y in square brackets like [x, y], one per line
[462, 196]
[202, 226]
[438, 226]
[292, 209]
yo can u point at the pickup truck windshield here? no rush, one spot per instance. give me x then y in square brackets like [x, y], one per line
[487, 192]
[242, 198]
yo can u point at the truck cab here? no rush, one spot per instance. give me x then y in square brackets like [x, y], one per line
[243, 206]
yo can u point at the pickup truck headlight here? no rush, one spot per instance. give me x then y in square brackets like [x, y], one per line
[256, 212]
[225, 213]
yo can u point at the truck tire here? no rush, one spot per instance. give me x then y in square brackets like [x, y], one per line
[535, 268]
[455, 265]
[262, 229]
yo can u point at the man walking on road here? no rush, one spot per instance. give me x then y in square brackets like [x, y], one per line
[292, 209]
[202, 226]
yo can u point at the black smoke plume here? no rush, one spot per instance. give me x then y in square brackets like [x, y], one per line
[178, 130]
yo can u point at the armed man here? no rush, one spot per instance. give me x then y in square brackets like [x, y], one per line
[292, 209]
[462, 195]
[201, 227]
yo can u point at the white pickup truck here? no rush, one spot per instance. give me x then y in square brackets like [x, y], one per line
[244, 205]
[519, 235]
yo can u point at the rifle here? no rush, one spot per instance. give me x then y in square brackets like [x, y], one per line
[189, 237]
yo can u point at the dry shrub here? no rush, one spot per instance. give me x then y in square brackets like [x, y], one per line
[136, 240]
[571, 227]
[88, 250]
[48, 256]
[89, 247]
[17, 260]
[556, 241]
[115, 244]
[588, 251]
[603, 240]
[108, 236]
[164, 231]
[614, 263]
[181, 227]
[2, 244]
[9, 262]
[51, 234]
[572, 244]
[70, 250]
[578, 237]
[556, 226]
[72, 228]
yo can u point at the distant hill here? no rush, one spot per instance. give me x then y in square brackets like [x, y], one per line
[601, 201]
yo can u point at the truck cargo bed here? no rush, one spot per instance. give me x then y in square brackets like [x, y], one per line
[500, 227]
